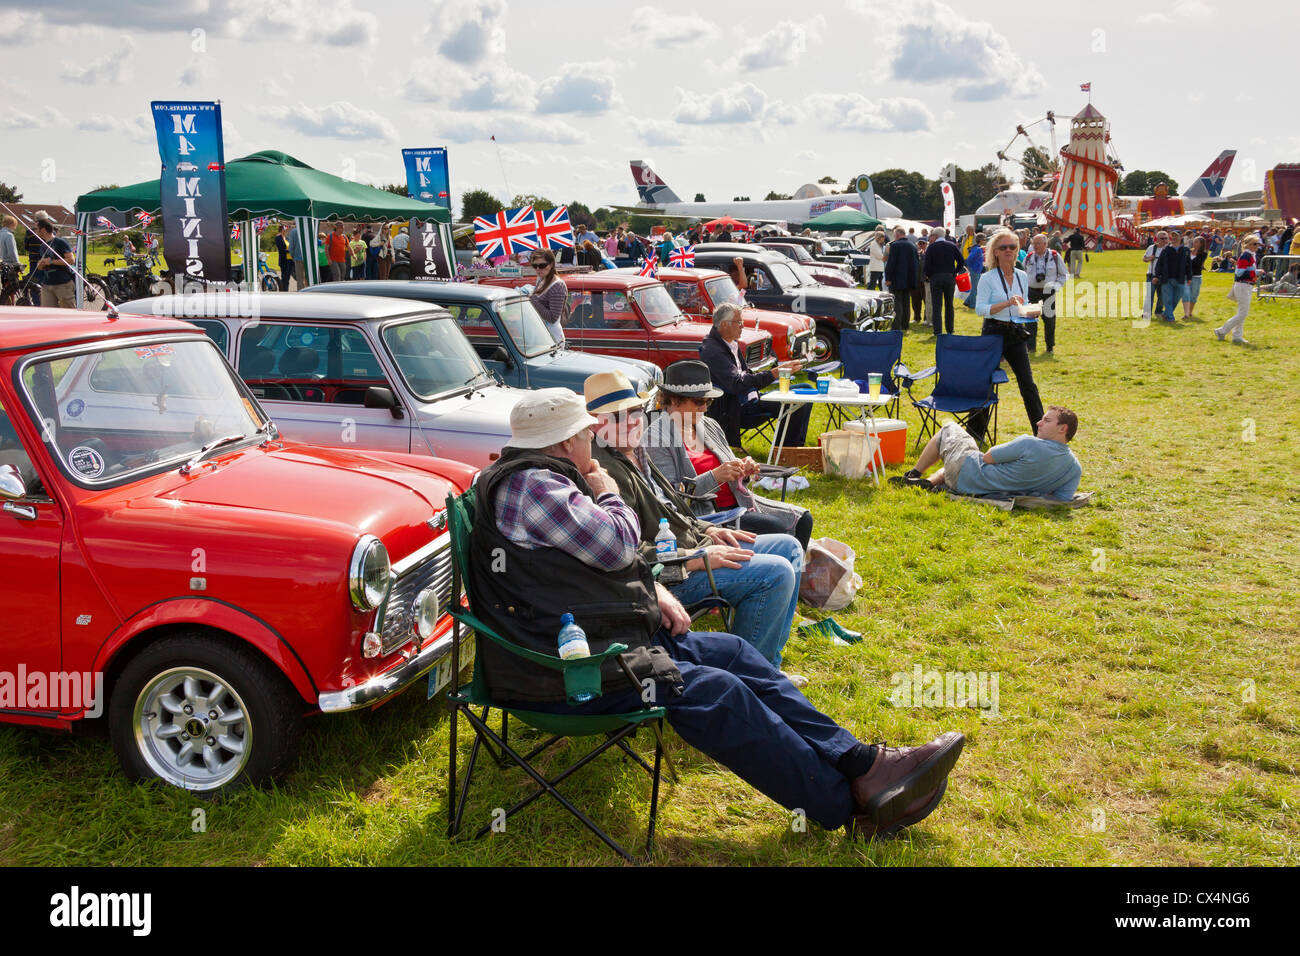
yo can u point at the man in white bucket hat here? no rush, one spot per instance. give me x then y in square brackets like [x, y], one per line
[552, 536]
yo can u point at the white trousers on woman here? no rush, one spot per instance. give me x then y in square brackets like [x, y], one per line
[1241, 292]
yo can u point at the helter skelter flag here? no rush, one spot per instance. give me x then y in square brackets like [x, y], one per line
[196, 231]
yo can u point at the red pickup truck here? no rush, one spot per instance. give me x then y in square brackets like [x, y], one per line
[167, 561]
[619, 313]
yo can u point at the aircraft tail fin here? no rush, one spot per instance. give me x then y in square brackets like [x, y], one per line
[1209, 185]
[649, 187]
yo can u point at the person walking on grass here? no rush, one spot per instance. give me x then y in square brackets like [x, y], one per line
[1244, 277]
[1195, 266]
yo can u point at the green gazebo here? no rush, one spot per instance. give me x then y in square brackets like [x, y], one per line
[269, 183]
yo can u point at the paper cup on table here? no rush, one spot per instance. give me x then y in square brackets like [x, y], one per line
[873, 384]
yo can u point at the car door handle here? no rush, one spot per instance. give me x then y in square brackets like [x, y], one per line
[22, 512]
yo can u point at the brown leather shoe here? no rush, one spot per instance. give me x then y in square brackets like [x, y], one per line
[860, 824]
[902, 776]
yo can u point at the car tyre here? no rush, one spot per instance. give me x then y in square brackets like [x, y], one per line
[826, 343]
[401, 272]
[203, 713]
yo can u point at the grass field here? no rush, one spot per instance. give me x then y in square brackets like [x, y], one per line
[1145, 648]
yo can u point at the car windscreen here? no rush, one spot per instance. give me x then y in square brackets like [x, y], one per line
[434, 356]
[524, 325]
[791, 275]
[117, 412]
[657, 305]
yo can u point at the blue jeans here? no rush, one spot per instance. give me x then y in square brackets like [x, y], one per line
[764, 591]
[738, 710]
[1193, 290]
[1173, 295]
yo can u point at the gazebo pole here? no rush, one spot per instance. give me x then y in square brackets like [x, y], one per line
[83, 227]
[307, 226]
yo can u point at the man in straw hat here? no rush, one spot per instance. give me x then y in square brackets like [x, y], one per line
[552, 535]
[757, 575]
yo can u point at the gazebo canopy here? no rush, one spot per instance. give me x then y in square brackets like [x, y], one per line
[272, 183]
[842, 218]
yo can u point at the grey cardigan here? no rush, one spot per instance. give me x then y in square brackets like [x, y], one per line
[663, 442]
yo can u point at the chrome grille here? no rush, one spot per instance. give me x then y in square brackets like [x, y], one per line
[800, 343]
[434, 571]
[754, 354]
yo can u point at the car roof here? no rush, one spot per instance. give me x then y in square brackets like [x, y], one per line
[596, 281]
[420, 289]
[272, 305]
[25, 328]
[739, 249]
[675, 273]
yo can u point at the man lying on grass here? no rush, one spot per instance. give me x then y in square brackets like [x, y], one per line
[1041, 466]
[570, 543]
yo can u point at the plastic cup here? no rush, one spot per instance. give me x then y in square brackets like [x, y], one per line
[785, 380]
[873, 384]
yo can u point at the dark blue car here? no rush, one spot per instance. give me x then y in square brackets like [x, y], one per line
[507, 333]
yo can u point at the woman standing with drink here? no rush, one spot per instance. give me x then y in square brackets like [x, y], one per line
[1195, 265]
[1000, 301]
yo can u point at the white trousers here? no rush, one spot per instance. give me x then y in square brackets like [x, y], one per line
[1241, 292]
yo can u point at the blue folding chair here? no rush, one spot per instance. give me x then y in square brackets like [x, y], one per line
[967, 383]
[867, 352]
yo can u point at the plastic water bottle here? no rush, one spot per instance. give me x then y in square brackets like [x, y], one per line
[665, 541]
[573, 644]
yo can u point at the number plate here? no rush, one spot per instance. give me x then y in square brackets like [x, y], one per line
[441, 675]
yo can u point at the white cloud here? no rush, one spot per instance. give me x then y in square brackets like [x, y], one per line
[783, 45]
[807, 155]
[18, 27]
[1193, 10]
[500, 88]
[195, 70]
[111, 68]
[853, 111]
[340, 120]
[933, 43]
[580, 88]
[137, 128]
[657, 133]
[13, 118]
[650, 26]
[738, 103]
[469, 31]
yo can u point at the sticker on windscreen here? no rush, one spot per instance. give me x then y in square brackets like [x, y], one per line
[75, 408]
[149, 351]
[86, 462]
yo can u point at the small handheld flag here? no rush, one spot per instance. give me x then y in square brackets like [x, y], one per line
[683, 258]
[650, 267]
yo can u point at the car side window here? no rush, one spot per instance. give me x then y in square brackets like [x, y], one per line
[477, 325]
[308, 363]
[761, 281]
[216, 331]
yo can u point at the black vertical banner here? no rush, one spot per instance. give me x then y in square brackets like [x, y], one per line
[196, 231]
[431, 252]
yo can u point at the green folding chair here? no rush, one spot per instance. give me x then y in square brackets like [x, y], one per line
[581, 675]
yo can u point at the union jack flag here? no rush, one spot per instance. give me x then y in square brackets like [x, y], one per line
[682, 258]
[1086, 87]
[507, 232]
[106, 223]
[260, 223]
[143, 218]
[651, 266]
[235, 231]
[554, 231]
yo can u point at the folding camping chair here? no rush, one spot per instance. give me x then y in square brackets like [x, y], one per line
[968, 373]
[867, 352]
[581, 675]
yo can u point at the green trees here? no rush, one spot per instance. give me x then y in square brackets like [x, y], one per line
[478, 202]
[1141, 182]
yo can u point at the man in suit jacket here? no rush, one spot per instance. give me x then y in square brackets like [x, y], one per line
[739, 407]
[902, 275]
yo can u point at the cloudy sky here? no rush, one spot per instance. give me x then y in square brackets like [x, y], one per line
[724, 98]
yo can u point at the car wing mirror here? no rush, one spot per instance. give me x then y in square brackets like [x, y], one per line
[12, 485]
[379, 396]
[499, 354]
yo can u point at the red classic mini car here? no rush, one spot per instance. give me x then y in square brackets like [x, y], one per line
[632, 316]
[167, 560]
[699, 292]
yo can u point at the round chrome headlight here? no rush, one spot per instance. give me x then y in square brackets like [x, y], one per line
[368, 573]
[424, 612]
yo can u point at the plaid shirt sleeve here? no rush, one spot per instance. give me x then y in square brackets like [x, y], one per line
[537, 508]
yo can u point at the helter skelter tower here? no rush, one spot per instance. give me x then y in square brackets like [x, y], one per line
[1084, 197]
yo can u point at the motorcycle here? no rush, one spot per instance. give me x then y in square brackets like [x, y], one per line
[136, 281]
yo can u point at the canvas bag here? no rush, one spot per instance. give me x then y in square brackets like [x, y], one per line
[847, 453]
[829, 581]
